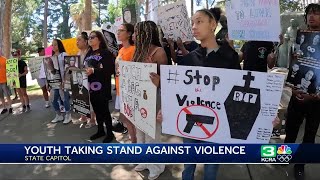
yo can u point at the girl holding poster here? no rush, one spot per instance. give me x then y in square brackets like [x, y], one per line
[82, 44]
[99, 67]
[60, 53]
[149, 50]
[209, 54]
[126, 53]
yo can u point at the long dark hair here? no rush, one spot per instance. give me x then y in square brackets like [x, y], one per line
[60, 46]
[103, 44]
[147, 34]
[130, 29]
[311, 8]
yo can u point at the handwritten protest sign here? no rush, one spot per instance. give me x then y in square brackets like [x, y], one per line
[253, 20]
[153, 10]
[174, 21]
[304, 73]
[219, 105]
[34, 66]
[138, 95]
[80, 93]
[12, 72]
[52, 70]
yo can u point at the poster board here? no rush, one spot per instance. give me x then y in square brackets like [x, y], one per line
[138, 95]
[257, 20]
[52, 70]
[111, 42]
[80, 93]
[70, 62]
[35, 66]
[12, 73]
[174, 21]
[304, 72]
[129, 14]
[219, 105]
[153, 11]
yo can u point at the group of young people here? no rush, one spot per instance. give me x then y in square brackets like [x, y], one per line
[142, 42]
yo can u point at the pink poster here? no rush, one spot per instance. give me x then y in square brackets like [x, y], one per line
[48, 51]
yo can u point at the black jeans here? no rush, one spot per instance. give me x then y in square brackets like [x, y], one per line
[101, 108]
[297, 112]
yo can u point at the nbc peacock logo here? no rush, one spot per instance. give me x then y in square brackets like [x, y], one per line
[284, 153]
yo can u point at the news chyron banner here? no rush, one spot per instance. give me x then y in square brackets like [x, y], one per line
[158, 153]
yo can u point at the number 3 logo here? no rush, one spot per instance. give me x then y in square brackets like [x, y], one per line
[268, 151]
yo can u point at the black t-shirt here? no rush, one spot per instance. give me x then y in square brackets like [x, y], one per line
[224, 57]
[255, 55]
[103, 63]
[21, 66]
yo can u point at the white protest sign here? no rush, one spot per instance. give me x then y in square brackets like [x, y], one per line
[153, 10]
[138, 95]
[219, 105]
[34, 66]
[174, 21]
[257, 20]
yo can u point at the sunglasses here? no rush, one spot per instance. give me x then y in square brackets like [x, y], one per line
[92, 37]
[121, 30]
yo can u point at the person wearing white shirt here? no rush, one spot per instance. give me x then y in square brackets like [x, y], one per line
[42, 81]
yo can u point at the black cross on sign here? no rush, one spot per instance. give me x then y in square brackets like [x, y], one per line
[248, 78]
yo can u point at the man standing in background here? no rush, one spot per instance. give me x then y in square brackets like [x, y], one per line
[4, 89]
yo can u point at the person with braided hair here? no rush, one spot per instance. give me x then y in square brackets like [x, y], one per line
[149, 50]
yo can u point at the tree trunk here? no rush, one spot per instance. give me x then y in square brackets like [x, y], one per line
[2, 3]
[207, 4]
[191, 7]
[87, 15]
[45, 25]
[147, 10]
[7, 29]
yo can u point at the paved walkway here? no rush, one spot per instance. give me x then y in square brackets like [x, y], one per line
[35, 127]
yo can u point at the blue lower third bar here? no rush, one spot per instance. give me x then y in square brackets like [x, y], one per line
[159, 153]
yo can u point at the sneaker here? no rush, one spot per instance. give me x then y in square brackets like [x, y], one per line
[67, 118]
[47, 104]
[4, 111]
[154, 175]
[108, 139]
[62, 110]
[28, 108]
[57, 118]
[24, 108]
[275, 134]
[10, 110]
[140, 167]
[97, 135]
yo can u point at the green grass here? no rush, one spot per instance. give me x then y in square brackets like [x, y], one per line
[33, 88]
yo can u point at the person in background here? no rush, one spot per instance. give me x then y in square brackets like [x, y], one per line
[99, 67]
[60, 53]
[82, 44]
[255, 55]
[22, 91]
[125, 33]
[304, 105]
[42, 81]
[4, 89]
[149, 50]
[209, 54]
[179, 49]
